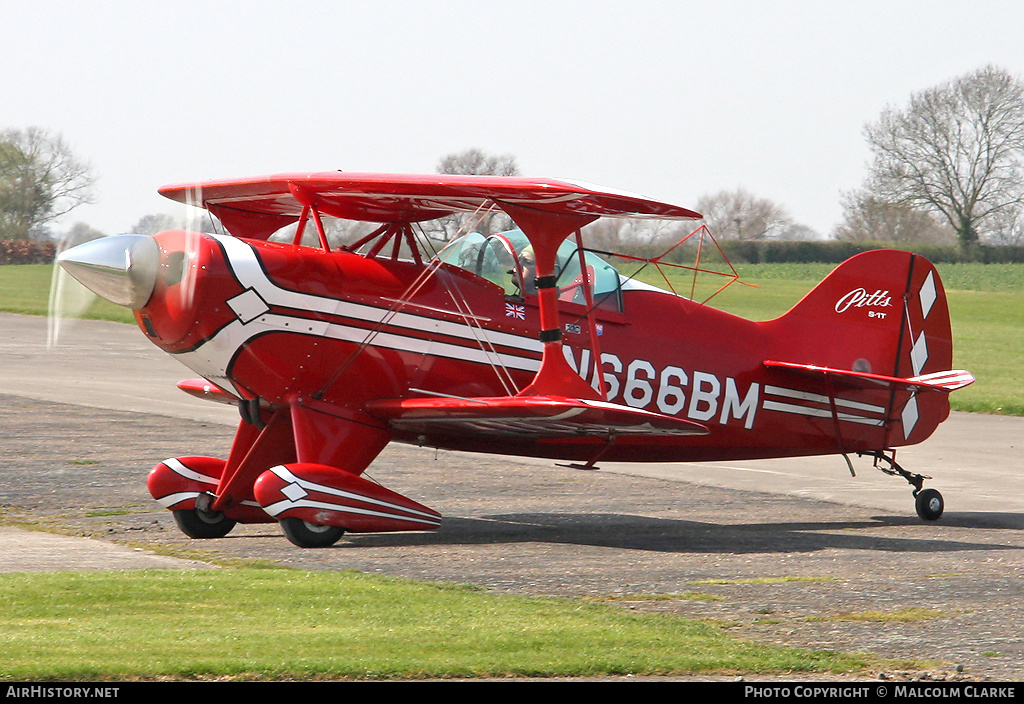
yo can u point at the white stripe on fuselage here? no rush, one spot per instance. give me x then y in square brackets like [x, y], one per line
[212, 358]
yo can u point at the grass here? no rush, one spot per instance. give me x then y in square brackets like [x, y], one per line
[274, 624]
[25, 289]
[901, 616]
[986, 304]
[765, 580]
[989, 340]
[634, 598]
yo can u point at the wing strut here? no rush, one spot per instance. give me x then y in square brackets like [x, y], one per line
[588, 293]
[546, 231]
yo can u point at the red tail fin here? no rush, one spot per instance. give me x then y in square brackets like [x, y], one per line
[877, 324]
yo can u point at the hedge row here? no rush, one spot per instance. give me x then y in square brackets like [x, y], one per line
[27, 252]
[833, 252]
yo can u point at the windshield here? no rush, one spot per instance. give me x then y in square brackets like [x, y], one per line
[504, 259]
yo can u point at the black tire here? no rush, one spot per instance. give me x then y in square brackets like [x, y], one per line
[929, 504]
[310, 535]
[203, 524]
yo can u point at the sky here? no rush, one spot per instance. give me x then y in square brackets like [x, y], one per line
[673, 100]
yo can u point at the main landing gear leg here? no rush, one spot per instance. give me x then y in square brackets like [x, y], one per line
[928, 502]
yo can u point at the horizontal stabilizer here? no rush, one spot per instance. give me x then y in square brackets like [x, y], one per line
[944, 381]
[526, 416]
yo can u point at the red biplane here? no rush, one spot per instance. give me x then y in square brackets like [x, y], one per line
[332, 352]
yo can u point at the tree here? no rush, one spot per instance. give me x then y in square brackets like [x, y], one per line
[153, 223]
[636, 234]
[81, 232]
[474, 162]
[41, 180]
[739, 215]
[956, 150]
[866, 218]
[1007, 227]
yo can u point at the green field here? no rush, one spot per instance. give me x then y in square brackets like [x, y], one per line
[26, 289]
[283, 624]
[986, 304]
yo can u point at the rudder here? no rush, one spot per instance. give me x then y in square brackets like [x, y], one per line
[880, 314]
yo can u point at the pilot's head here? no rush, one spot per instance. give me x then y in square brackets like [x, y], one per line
[528, 258]
[528, 262]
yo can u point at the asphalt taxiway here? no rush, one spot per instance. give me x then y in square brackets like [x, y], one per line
[83, 421]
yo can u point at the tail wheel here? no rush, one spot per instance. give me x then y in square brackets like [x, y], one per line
[310, 535]
[196, 523]
[929, 504]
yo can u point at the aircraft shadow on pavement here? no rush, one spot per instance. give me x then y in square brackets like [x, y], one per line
[630, 532]
[982, 520]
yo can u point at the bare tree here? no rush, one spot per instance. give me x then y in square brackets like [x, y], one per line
[636, 236]
[80, 232]
[40, 180]
[739, 215]
[866, 218]
[153, 223]
[195, 220]
[956, 150]
[474, 162]
[1006, 227]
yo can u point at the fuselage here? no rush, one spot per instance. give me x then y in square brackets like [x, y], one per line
[281, 323]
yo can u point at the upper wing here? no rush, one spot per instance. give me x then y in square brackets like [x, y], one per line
[518, 416]
[259, 206]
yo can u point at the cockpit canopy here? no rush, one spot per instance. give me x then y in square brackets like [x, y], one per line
[505, 259]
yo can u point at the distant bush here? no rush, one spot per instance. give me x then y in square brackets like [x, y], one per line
[27, 252]
[833, 252]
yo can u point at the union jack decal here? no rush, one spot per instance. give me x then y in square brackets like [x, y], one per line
[513, 310]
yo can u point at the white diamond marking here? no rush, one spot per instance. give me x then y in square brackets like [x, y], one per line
[928, 295]
[909, 417]
[919, 354]
[248, 305]
[294, 492]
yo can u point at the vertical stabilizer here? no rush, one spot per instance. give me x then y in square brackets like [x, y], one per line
[878, 322]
